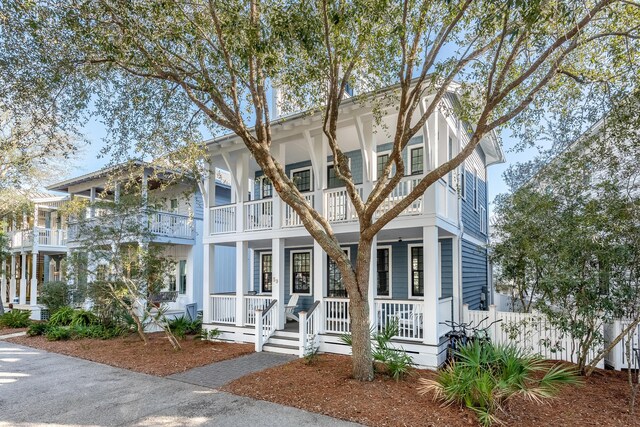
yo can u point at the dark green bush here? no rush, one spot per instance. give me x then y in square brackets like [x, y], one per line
[62, 317]
[38, 329]
[83, 318]
[181, 326]
[15, 319]
[55, 295]
[58, 333]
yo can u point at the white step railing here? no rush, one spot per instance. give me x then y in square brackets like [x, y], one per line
[309, 324]
[265, 324]
[170, 224]
[402, 190]
[407, 314]
[223, 309]
[291, 218]
[258, 215]
[223, 219]
[336, 315]
[253, 303]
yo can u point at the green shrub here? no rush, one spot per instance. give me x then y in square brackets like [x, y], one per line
[15, 319]
[38, 329]
[58, 333]
[83, 318]
[486, 377]
[62, 317]
[55, 295]
[397, 363]
[211, 335]
[181, 326]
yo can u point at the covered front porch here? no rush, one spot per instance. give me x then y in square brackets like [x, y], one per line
[287, 288]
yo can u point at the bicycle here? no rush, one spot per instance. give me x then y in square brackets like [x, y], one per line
[462, 334]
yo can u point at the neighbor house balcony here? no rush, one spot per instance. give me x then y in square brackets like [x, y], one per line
[271, 213]
[162, 226]
[44, 238]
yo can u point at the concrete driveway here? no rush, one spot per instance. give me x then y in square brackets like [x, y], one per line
[38, 388]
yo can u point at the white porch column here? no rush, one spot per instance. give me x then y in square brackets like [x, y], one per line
[278, 275]
[242, 174]
[432, 291]
[34, 278]
[3, 282]
[208, 285]
[278, 151]
[242, 280]
[12, 280]
[456, 250]
[373, 283]
[92, 200]
[319, 279]
[23, 278]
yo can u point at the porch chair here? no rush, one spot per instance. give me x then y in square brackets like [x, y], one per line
[289, 309]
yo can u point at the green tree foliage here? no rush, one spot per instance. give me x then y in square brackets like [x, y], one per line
[568, 242]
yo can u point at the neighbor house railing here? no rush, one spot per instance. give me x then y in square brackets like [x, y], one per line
[170, 224]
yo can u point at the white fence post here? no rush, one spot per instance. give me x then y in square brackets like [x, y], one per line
[492, 318]
[259, 342]
[302, 325]
[465, 313]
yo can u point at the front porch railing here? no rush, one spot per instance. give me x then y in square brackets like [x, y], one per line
[407, 314]
[253, 303]
[337, 319]
[223, 309]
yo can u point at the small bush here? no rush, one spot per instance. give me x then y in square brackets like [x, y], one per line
[485, 377]
[181, 326]
[15, 319]
[38, 329]
[211, 335]
[58, 333]
[62, 317]
[55, 295]
[83, 318]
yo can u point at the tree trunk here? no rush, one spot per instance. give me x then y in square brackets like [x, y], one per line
[361, 338]
[592, 366]
[1, 306]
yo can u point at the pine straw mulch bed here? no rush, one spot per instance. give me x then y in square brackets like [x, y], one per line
[326, 387]
[157, 358]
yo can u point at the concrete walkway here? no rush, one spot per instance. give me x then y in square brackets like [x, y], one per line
[13, 335]
[40, 388]
[221, 373]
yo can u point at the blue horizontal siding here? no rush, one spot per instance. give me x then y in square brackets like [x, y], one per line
[471, 216]
[474, 273]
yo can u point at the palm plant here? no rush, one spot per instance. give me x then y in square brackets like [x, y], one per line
[487, 376]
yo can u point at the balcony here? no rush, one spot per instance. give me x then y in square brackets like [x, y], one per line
[160, 224]
[270, 214]
[44, 237]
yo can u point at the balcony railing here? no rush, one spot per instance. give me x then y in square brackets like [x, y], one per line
[45, 237]
[336, 206]
[170, 225]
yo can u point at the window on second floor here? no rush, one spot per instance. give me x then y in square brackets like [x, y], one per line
[475, 190]
[174, 205]
[463, 183]
[302, 179]
[381, 162]
[332, 179]
[417, 160]
[266, 188]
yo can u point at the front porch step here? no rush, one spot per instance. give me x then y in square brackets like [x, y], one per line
[285, 341]
[287, 334]
[280, 348]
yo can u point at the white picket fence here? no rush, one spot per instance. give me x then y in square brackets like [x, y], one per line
[530, 332]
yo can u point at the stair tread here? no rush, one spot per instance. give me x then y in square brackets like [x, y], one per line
[279, 345]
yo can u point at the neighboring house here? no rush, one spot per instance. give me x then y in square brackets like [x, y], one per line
[426, 263]
[37, 242]
[175, 227]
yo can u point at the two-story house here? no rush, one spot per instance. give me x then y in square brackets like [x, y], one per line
[426, 263]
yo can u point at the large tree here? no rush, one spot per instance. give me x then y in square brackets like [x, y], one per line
[159, 70]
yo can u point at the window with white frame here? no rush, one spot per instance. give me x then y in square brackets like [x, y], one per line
[266, 187]
[335, 284]
[463, 182]
[332, 179]
[383, 266]
[182, 277]
[475, 189]
[381, 161]
[302, 179]
[266, 278]
[173, 205]
[301, 272]
[416, 156]
[416, 266]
